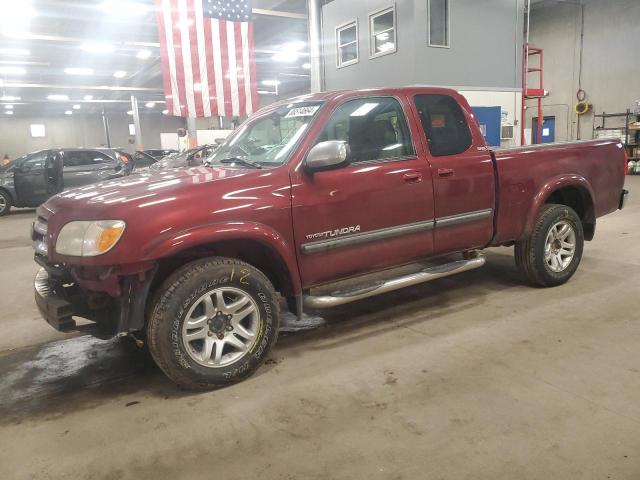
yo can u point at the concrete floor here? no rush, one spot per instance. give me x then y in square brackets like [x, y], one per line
[472, 377]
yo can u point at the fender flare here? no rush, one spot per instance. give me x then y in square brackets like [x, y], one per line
[225, 231]
[547, 190]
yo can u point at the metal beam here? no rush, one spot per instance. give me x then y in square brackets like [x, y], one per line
[278, 13]
[82, 87]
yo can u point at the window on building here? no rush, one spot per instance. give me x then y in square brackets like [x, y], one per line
[382, 31]
[347, 43]
[374, 127]
[438, 23]
[444, 124]
[37, 130]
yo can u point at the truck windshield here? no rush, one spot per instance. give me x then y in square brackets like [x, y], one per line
[267, 141]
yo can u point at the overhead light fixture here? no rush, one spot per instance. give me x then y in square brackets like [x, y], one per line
[14, 51]
[122, 7]
[9, 107]
[15, 17]
[150, 104]
[294, 46]
[77, 106]
[119, 74]
[68, 112]
[306, 66]
[9, 98]
[13, 71]
[78, 71]
[98, 47]
[164, 112]
[265, 92]
[130, 112]
[88, 98]
[143, 54]
[287, 56]
[271, 83]
[58, 98]
[9, 112]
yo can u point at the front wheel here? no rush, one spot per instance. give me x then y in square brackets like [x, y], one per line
[551, 255]
[5, 203]
[213, 323]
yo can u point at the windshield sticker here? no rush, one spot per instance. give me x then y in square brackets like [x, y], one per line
[302, 111]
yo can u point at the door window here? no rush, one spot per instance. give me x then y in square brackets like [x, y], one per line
[374, 127]
[85, 158]
[444, 124]
[34, 163]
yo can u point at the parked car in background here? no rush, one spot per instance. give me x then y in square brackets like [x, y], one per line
[189, 158]
[142, 160]
[160, 153]
[30, 180]
[324, 199]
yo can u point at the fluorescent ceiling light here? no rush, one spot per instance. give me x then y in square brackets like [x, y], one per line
[13, 71]
[130, 112]
[266, 92]
[143, 54]
[68, 112]
[164, 112]
[271, 83]
[58, 98]
[9, 98]
[88, 98]
[9, 112]
[9, 107]
[294, 46]
[287, 56]
[15, 17]
[14, 51]
[76, 106]
[98, 47]
[150, 104]
[119, 74]
[78, 71]
[121, 7]
[306, 66]
[364, 109]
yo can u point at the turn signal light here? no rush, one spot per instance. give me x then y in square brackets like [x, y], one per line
[108, 238]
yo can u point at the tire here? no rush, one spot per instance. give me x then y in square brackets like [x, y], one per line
[534, 255]
[238, 338]
[5, 203]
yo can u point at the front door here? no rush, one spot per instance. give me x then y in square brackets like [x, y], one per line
[35, 179]
[83, 167]
[464, 183]
[373, 213]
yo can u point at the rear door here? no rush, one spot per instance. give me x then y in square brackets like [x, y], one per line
[464, 180]
[83, 167]
[375, 212]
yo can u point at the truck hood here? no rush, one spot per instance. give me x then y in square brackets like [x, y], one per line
[138, 190]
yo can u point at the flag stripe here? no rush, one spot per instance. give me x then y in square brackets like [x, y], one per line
[208, 64]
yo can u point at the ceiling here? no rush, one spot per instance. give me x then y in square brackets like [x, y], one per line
[37, 44]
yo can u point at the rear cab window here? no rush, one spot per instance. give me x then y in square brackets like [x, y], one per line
[375, 128]
[444, 124]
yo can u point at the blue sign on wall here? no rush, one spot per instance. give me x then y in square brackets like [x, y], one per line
[489, 120]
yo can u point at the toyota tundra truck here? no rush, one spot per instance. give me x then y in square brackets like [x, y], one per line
[313, 202]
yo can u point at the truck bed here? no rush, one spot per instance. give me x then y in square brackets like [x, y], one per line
[528, 175]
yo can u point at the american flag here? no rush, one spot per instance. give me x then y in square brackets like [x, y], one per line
[208, 67]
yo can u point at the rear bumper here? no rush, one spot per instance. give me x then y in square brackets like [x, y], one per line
[624, 197]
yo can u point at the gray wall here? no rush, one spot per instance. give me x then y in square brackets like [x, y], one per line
[80, 131]
[611, 64]
[485, 39]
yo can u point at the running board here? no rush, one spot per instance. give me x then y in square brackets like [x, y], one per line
[389, 285]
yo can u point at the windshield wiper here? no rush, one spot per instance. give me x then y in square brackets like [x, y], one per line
[242, 161]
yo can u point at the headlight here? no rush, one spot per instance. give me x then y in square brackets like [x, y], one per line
[88, 239]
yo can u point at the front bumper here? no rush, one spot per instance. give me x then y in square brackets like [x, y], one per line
[54, 308]
[624, 197]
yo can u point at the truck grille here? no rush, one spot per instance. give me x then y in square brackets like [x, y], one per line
[39, 236]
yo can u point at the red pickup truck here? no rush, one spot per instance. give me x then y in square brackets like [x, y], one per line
[317, 201]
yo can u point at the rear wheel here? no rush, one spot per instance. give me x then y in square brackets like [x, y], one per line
[551, 255]
[213, 323]
[5, 203]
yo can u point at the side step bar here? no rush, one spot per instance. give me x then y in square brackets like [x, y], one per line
[384, 286]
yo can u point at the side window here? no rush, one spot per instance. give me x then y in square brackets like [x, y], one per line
[382, 32]
[444, 124]
[347, 44]
[84, 158]
[98, 157]
[35, 162]
[374, 127]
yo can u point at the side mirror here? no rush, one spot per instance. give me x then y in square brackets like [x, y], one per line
[327, 155]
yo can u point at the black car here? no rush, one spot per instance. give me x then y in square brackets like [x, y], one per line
[189, 158]
[30, 180]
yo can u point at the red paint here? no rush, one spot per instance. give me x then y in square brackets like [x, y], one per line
[279, 207]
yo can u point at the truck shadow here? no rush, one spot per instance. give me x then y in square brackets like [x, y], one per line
[83, 372]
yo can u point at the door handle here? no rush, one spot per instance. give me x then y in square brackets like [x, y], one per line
[445, 172]
[412, 177]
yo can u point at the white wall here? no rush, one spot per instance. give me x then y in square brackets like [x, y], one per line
[509, 102]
